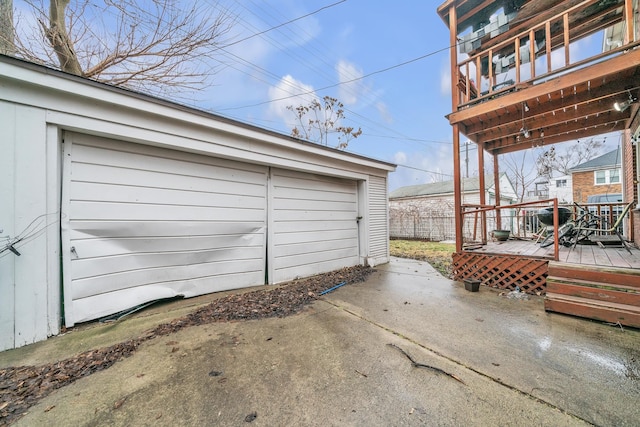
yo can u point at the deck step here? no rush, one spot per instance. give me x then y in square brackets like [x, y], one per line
[607, 294]
[627, 315]
[601, 293]
[591, 273]
[559, 281]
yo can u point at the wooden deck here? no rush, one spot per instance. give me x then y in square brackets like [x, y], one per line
[601, 283]
[606, 294]
[610, 256]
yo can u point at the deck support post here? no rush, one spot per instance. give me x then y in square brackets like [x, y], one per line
[457, 189]
[483, 193]
[496, 185]
[455, 100]
[629, 34]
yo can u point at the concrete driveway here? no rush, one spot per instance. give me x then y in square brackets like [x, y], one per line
[332, 365]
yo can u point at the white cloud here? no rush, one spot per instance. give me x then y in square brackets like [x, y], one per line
[357, 92]
[302, 33]
[400, 157]
[349, 91]
[286, 87]
[424, 166]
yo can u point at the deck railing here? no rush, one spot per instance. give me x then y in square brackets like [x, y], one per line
[522, 220]
[478, 74]
[483, 216]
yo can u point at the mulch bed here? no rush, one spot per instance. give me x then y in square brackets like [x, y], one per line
[22, 387]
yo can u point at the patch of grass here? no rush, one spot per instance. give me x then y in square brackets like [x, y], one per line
[435, 253]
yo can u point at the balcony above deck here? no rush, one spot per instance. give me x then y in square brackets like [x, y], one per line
[518, 86]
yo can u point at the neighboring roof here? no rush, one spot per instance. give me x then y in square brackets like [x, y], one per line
[610, 159]
[444, 187]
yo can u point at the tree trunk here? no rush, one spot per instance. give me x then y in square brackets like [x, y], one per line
[59, 38]
[7, 45]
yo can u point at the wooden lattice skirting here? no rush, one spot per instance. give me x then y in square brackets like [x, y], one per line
[502, 271]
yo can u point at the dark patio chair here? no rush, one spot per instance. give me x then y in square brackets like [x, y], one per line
[615, 228]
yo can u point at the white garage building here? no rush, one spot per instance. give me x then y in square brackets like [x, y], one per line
[114, 199]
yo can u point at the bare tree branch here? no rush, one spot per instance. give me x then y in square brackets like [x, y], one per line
[157, 46]
[553, 160]
[325, 120]
[521, 173]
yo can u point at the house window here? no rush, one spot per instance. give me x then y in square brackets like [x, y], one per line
[614, 176]
[561, 183]
[609, 176]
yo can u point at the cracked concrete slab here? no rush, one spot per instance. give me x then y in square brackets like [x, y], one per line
[332, 365]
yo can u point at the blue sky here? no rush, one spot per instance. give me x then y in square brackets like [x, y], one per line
[387, 62]
[401, 110]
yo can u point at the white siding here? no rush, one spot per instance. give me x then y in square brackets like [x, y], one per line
[148, 227]
[25, 288]
[378, 220]
[146, 223]
[563, 194]
[314, 221]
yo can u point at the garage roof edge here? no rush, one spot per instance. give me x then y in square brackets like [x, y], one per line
[188, 109]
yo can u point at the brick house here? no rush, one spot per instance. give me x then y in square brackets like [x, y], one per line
[601, 175]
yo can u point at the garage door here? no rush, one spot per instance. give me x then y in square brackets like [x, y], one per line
[315, 226]
[142, 223]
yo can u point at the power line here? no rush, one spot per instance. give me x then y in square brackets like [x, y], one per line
[292, 86]
[283, 24]
[423, 170]
[354, 79]
[383, 70]
[302, 60]
[344, 82]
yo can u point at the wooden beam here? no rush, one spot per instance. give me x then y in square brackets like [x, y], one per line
[567, 39]
[603, 120]
[628, 18]
[457, 188]
[453, 59]
[592, 112]
[457, 185]
[545, 108]
[532, 53]
[526, 144]
[496, 186]
[482, 186]
[547, 39]
[517, 48]
[463, 18]
[600, 70]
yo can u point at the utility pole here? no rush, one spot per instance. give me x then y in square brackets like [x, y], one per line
[466, 157]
